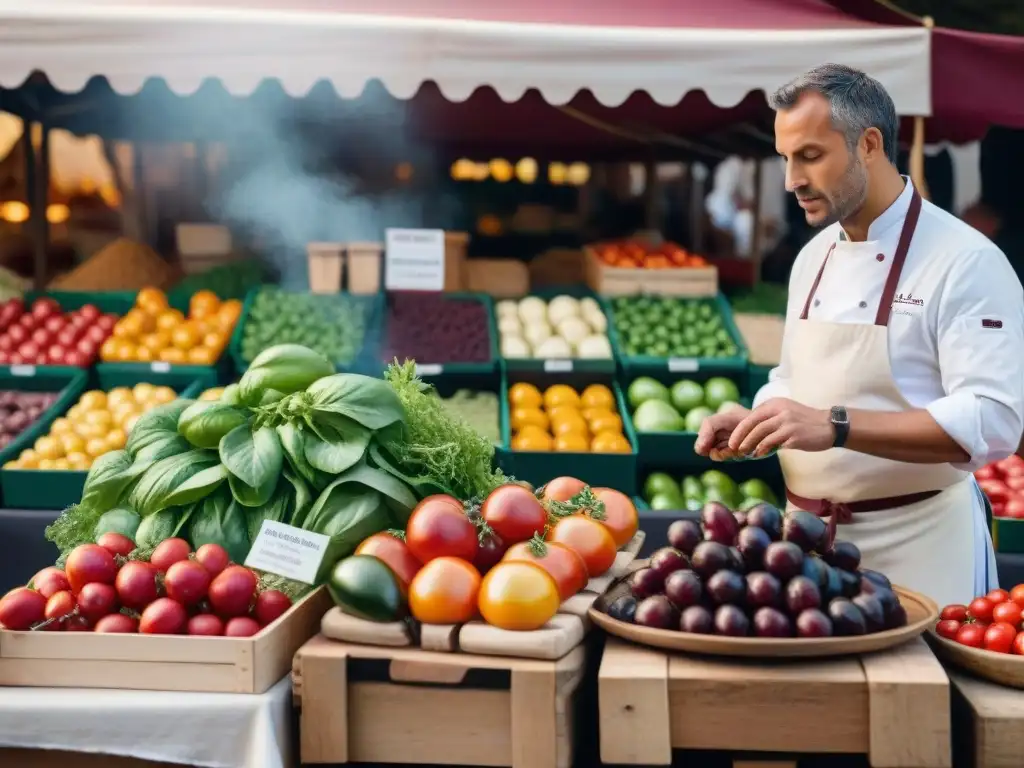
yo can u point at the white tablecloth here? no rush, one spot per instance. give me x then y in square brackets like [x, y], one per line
[214, 730]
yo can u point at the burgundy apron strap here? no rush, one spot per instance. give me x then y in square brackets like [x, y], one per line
[898, 259]
[814, 285]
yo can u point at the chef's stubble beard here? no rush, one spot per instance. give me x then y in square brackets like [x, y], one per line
[849, 194]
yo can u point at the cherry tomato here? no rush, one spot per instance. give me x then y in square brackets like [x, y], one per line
[21, 608]
[562, 489]
[444, 592]
[213, 557]
[620, 516]
[1017, 595]
[438, 527]
[136, 584]
[514, 513]
[50, 581]
[395, 554]
[999, 637]
[205, 624]
[489, 552]
[163, 617]
[96, 601]
[997, 596]
[89, 563]
[518, 596]
[981, 609]
[271, 604]
[187, 582]
[168, 552]
[561, 563]
[1008, 613]
[1018, 645]
[116, 543]
[232, 590]
[972, 635]
[116, 623]
[947, 628]
[589, 539]
[954, 613]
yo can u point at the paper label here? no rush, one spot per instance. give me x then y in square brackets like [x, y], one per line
[683, 364]
[557, 366]
[429, 369]
[414, 260]
[23, 370]
[160, 367]
[288, 551]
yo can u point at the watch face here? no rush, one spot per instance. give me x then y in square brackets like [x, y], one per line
[839, 415]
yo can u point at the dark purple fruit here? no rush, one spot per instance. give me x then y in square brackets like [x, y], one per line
[845, 555]
[890, 603]
[833, 585]
[896, 619]
[813, 623]
[766, 517]
[752, 543]
[763, 590]
[710, 557]
[718, 523]
[668, 559]
[656, 612]
[849, 583]
[727, 587]
[879, 579]
[741, 518]
[736, 561]
[807, 531]
[698, 620]
[683, 589]
[783, 560]
[731, 621]
[814, 569]
[646, 582]
[684, 535]
[770, 622]
[847, 620]
[874, 615]
[802, 594]
[623, 609]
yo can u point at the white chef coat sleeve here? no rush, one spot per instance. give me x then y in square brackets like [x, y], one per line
[980, 340]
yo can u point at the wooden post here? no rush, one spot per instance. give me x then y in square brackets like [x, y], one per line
[37, 170]
[916, 160]
[757, 238]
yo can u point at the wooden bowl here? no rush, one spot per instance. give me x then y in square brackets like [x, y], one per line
[922, 613]
[1001, 668]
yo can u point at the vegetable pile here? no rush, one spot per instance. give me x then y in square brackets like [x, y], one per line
[175, 591]
[479, 410]
[20, 410]
[992, 622]
[333, 326]
[681, 408]
[759, 573]
[666, 327]
[1003, 483]
[45, 335]
[152, 330]
[562, 419]
[512, 559]
[432, 328]
[634, 253]
[565, 327]
[97, 424]
[662, 491]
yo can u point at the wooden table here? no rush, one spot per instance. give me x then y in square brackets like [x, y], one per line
[990, 720]
[892, 707]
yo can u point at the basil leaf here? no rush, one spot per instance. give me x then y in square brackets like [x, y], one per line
[157, 425]
[293, 444]
[369, 401]
[108, 478]
[198, 486]
[255, 458]
[345, 448]
[218, 519]
[252, 496]
[388, 485]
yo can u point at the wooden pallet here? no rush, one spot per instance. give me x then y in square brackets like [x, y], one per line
[891, 706]
[990, 722]
[553, 641]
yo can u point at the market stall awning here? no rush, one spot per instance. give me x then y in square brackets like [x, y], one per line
[664, 48]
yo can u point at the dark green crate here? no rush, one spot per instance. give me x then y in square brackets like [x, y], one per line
[447, 386]
[649, 366]
[57, 489]
[611, 470]
[769, 470]
[69, 382]
[252, 275]
[110, 375]
[1008, 535]
[115, 302]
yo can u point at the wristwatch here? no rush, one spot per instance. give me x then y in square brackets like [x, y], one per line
[840, 425]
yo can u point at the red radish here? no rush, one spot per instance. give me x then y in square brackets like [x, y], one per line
[270, 605]
[213, 557]
[21, 608]
[186, 581]
[241, 626]
[168, 552]
[232, 590]
[136, 584]
[59, 605]
[116, 543]
[163, 617]
[50, 581]
[116, 623]
[89, 563]
[206, 624]
[96, 601]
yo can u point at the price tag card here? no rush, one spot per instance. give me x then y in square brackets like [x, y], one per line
[414, 260]
[23, 370]
[429, 369]
[160, 367]
[557, 366]
[288, 551]
[683, 364]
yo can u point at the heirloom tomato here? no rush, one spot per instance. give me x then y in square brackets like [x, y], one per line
[518, 596]
[439, 527]
[444, 592]
[561, 563]
[589, 539]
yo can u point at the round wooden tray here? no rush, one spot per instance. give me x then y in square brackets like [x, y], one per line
[922, 612]
[1001, 668]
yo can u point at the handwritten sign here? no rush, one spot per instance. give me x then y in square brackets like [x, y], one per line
[288, 551]
[414, 260]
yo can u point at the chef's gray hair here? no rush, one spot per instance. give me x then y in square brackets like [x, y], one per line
[858, 102]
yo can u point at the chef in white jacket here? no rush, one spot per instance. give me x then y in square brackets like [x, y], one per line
[902, 366]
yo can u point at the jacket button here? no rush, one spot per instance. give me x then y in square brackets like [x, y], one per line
[863, 304]
[880, 257]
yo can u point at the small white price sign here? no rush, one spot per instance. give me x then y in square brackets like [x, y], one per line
[683, 364]
[23, 370]
[160, 367]
[429, 369]
[288, 551]
[557, 366]
[414, 260]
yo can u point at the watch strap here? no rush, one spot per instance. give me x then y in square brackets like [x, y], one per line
[840, 426]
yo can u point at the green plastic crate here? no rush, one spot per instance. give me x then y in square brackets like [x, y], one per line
[1008, 535]
[769, 470]
[116, 302]
[57, 489]
[611, 470]
[69, 382]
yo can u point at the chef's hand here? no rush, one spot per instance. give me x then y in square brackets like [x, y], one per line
[782, 423]
[713, 438]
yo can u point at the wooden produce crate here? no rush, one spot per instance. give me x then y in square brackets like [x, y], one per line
[368, 704]
[161, 662]
[988, 723]
[891, 707]
[689, 282]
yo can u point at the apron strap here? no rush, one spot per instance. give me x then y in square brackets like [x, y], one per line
[898, 260]
[814, 285]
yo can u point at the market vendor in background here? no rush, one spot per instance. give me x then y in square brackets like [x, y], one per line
[902, 366]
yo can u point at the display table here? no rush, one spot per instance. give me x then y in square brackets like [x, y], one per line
[990, 722]
[219, 730]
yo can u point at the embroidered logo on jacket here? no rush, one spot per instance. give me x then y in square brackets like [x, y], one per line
[908, 298]
[986, 323]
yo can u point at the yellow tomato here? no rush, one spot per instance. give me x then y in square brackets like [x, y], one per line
[126, 352]
[173, 355]
[152, 300]
[75, 413]
[560, 394]
[123, 330]
[572, 442]
[597, 396]
[78, 460]
[227, 316]
[203, 304]
[215, 341]
[154, 342]
[142, 391]
[61, 426]
[143, 355]
[48, 448]
[97, 446]
[118, 396]
[523, 395]
[61, 464]
[518, 596]
[185, 336]
[116, 439]
[47, 464]
[99, 418]
[560, 412]
[169, 319]
[29, 458]
[93, 401]
[520, 417]
[108, 352]
[532, 441]
[610, 442]
[70, 442]
[606, 422]
[203, 355]
[162, 394]
[90, 431]
[122, 413]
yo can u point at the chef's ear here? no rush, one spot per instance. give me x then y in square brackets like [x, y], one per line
[873, 145]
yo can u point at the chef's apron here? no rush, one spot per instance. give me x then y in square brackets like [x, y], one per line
[913, 522]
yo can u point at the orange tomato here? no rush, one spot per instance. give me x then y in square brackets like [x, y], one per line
[518, 596]
[566, 424]
[620, 515]
[173, 355]
[144, 354]
[562, 489]
[589, 539]
[214, 341]
[152, 300]
[610, 442]
[108, 351]
[562, 564]
[606, 422]
[394, 553]
[154, 342]
[169, 319]
[201, 356]
[203, 304]
[184, 336]
[532, 441]
[444, 591]
[229, 313]
[572, 442]
[125, 352]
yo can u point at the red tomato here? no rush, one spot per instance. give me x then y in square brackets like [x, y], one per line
[996, 490]
[168, 552]
[954, 612]
[241, 626]
[514, 513]
[1007, 613]
[55, 354]
[163, 617]
[60, 605]
[562, 489]
[206, 624]
[96, 601]
[1017, 595]
[947, 628]
[17, 335]
[107, 322]
[395, 554]
[50, 581]
[40, 337]
[232, 590]
[116, 543]
[489, 552]
[518, 596]
[21, 608]
[44, 308]
[29, 350]
[1015, 482]
[438, 527]
[116, 623]
[1018, 644]
[999, 637]
[561, 563]
[997, 596]
[67, 337]
[136, 584]
[445, 592]
[972, 635]
[187, 582]
[54, 325]
[270, 606]
[89, 311]
[619, 516]
[87, 564]
[981, 609]
[75, 359]
[213, 557]
[589, 539]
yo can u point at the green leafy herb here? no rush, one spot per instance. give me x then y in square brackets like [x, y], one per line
[253, 456]
[368, 401]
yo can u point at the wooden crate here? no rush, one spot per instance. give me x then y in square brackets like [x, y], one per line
[891, 706]
[988, 723]
[161, 662]
[367, 704]
[683, 282]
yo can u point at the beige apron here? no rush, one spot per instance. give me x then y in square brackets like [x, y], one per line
[925, 545]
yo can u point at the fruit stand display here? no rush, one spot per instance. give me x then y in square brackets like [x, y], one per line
[55, 329]
[633, 267]
[662, 490]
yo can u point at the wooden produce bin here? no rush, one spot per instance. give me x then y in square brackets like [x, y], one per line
[680, 282]
[456, 247]
[988, 722]
[161, 662]
[364, 267]
[892, 707]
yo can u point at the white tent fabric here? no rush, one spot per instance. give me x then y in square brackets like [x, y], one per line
[303, 41]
